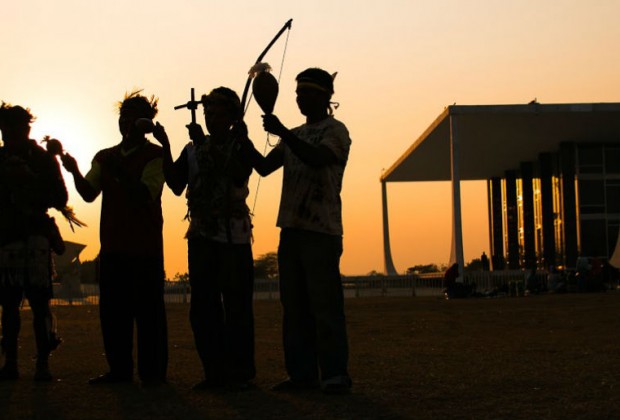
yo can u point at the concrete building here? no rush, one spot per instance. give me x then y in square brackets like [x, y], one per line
[552, 172]
[68, 271]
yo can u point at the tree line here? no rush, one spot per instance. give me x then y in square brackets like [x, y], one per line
[266, 267]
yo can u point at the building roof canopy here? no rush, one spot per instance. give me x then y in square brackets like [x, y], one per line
[494, 138]
[72, 252]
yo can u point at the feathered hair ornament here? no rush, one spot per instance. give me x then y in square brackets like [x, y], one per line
[259, 68]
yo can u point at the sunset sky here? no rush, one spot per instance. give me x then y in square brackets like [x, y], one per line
[399, 63]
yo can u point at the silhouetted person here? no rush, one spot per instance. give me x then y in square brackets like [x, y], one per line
[532, 283]
[555, 280]
[313, 156]
[30, 184]
[610, 275]
[219, 237]
[449, 281]
[130, 178]
[485, 261]
[596, 282]
[582, 271]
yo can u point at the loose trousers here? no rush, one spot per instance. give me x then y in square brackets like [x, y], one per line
[221, 277]
[314, 325]
[132, 290]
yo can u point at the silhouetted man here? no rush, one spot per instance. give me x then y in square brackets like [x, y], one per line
[130, 178]
[313, 156]
[219, 242]
[30, 184]
[484, 260]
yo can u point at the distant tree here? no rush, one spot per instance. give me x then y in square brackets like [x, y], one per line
[183, 277]
[89, 271]
[375, 273]
[266, 266]
[474, 265]
[424, 268]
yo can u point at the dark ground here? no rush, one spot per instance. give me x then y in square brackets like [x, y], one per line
[538, 357]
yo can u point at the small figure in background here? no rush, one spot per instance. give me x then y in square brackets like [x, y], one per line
[485, 262]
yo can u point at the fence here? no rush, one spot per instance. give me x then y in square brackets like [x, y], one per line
[353, 286]
[507, 281]
[358, 286]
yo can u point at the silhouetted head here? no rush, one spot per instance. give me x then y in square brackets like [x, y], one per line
[315, 88]
[316, 78]
[222, 108]
[133, 107]
[225, 97]
[15, 122]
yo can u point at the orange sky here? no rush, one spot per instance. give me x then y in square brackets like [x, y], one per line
[399, 64]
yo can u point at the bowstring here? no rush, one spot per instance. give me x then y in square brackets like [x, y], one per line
[267, 142]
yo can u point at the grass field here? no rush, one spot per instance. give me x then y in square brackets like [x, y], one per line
[539, 357]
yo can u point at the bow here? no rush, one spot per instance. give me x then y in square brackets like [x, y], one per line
[244, 97]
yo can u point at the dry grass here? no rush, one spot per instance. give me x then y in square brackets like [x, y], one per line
[553, 357]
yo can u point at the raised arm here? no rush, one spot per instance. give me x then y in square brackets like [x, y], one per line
[83, 187]
[175, 173]
[264, 165]
[251, 157]
[309, 154]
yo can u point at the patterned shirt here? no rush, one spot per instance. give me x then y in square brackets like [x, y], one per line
[217, 208]
[311, 194]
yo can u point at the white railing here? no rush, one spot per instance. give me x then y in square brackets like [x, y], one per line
[358, 286]
[506, 281]
[354, 286]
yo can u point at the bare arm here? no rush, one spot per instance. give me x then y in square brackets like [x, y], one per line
[309, 154]
[264, 165]
[175, 173]
[83, 187]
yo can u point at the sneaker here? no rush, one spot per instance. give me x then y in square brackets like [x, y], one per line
[108, 378]
[337, 385]
[288, 385]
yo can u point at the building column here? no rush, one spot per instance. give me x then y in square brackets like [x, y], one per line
[387, 251]
[457, 224]
[569, 204]
[529, 228]
[512, 224]
[548, 217]
[496, 229]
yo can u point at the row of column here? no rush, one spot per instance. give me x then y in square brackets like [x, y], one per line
[504, 238]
